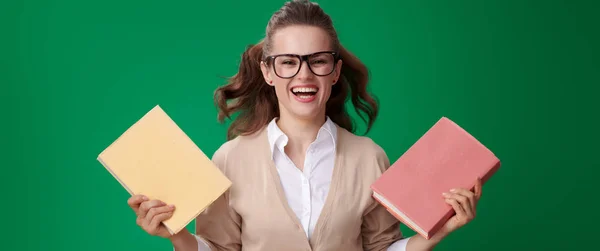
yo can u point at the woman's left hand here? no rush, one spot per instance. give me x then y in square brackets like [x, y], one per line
[464, 203]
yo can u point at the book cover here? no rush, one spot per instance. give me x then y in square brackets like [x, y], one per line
[445, 157]
[156, 158]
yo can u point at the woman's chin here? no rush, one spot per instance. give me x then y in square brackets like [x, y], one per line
[306, 110]
[308, 113]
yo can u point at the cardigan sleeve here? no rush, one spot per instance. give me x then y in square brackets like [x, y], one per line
[380, 229]
[219, 226]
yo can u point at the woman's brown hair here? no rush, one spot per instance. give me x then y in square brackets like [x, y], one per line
[255, 103]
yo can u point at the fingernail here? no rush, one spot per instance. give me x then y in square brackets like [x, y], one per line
[452, 190]
[172, 206]
[144, 198]
[445, 194]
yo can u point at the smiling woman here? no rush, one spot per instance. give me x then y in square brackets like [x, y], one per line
[300, 176]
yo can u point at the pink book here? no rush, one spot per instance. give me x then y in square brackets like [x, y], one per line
[445, 157]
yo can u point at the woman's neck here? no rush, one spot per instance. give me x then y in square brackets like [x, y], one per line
[300, 132]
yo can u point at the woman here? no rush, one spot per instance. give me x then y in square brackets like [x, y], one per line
[300, 177]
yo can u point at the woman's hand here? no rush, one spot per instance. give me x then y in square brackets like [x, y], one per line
[151, 214]
[464, 203]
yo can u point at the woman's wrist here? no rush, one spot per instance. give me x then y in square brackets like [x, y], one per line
[418, 242]
[183, 240]
[439, 236]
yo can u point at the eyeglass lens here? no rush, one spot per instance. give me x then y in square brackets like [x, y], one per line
[320, 64]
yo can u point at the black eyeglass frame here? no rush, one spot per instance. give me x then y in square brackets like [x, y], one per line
[270, 59]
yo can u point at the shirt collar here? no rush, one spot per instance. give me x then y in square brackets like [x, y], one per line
[277, 139]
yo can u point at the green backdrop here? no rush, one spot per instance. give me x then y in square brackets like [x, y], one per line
[522, 76]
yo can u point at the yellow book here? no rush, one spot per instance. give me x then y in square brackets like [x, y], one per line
[156, 158]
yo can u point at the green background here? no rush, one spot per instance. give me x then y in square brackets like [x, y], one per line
[522, 76]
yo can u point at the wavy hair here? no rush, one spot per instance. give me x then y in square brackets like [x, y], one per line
[254, 102]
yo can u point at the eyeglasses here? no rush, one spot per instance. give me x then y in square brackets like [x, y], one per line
[288, 65]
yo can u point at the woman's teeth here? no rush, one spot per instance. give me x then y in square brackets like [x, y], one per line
[304, 92]
[304, 89]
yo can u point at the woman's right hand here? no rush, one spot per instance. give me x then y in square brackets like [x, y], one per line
[150, 214]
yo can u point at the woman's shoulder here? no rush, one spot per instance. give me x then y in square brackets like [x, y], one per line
[365, 157]
[234, 147]
[361, 146]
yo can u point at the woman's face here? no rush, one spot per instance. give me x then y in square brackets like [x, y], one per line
[302, 93]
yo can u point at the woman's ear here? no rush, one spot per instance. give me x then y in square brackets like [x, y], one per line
[338, 72]
[266, 73]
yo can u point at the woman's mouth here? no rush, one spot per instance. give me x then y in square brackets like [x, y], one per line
[305, 94]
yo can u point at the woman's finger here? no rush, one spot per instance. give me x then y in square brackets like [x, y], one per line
[159, 218]
[460, 212]
[156, 211]
[467, 194]
[135, 201]
[478, 187]
[146, 205]
[463, 202]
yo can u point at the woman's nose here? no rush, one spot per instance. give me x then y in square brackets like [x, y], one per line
[305, 72]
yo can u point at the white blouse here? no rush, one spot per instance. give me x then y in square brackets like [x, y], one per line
[306, 190]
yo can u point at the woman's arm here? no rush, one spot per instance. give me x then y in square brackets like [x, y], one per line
[186, 241]
[219, 226]
[464, 202]
[418, 243]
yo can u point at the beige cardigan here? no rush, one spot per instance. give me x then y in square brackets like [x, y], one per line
[254, 215]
